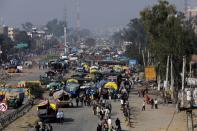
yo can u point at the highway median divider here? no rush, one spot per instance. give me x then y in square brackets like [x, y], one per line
[9, 118]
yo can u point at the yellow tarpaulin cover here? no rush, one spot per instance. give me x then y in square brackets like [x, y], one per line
[93, 71]
[59, 94]
[89, 76]
[125, 67]
[72, 81]
[112, 85]
[86, 66]
[44, 103]
[53, 106]
[93, 67]
[117, 67]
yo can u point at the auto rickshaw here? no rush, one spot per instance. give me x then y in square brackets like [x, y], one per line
[47, 111]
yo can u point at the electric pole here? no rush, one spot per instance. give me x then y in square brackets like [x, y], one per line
[78, 20]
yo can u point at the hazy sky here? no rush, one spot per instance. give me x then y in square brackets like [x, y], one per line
[93, 13]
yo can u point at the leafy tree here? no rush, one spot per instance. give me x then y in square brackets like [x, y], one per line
[27, 26]
[21, 37]
[90, 42]
[56, 27]
[136, 35]
[85, 33]
[7, 47]
[117, 37]
[168, 34]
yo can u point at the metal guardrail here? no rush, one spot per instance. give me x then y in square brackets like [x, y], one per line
[9, 118]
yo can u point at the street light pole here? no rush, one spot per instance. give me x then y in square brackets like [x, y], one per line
[183, 80]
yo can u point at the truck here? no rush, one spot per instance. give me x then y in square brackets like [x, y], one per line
[14, 99]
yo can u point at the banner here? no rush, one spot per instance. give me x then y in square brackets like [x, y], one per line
[150, 73]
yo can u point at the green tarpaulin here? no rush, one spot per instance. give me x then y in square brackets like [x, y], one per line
[21, 45]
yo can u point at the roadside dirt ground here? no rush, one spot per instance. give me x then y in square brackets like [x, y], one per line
[163, 119]
[28, 121]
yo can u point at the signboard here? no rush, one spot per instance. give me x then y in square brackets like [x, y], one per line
[3, 107]
[191, 81]
[132, 62]
[150, 73]
[194, 103]
[73, 58]
[3, 90]
[165, 84]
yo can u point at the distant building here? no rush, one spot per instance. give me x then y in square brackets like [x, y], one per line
[11, 33]
[5, 30]
[1, 30]
[191, 12]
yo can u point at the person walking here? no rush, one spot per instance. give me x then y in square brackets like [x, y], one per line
[39, 66]
[152, 103]
[102, 113]
[118, 126]
[122, 103]
[110, 97]
[144, 106]
[37, 127]
[156, 104]
[61, 117]
[58, 117]
[99, 127]
[109, 122]
[94, 109]
[77, 101]
[50, 127]
[81, 100]
[85, 100]
[106, 113]
[44, 128]
[97, 110]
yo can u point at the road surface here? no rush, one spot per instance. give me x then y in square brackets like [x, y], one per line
[76, 119]
[82, 119]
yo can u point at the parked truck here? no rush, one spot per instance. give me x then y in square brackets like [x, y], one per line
[14, 99]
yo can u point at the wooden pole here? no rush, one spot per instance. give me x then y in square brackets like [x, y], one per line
[183, 80]
[172, 78]
[148, 58]
[167, 70]
[143, 58]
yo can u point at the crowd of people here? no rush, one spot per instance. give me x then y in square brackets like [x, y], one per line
[40, 126]
[103, 110]
[101, 103]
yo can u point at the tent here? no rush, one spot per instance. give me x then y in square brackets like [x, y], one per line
[72, 81]
[72, 88]
[101, 83]
[21, 45]
[111, 85]
[21, 84]
[45, 104]
[59, 94]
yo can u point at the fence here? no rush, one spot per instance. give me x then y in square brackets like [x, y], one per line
[7, 119]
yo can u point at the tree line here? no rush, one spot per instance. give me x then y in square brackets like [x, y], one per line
[161, 31]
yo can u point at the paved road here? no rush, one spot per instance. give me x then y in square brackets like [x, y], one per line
[77, 119]
[82, 119]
